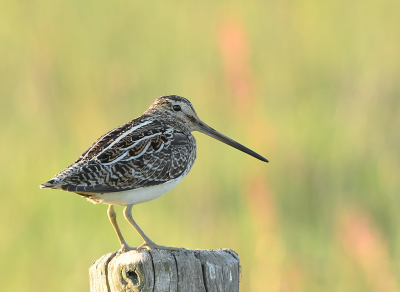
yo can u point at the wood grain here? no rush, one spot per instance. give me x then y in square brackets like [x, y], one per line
[166, 271]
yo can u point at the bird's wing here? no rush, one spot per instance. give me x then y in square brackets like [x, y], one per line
[129, 157]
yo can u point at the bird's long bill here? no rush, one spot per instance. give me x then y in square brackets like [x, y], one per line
[215, 134]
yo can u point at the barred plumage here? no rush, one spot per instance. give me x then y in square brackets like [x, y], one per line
[140, 160]
[144, 152]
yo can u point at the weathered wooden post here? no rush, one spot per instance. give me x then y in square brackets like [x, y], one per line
[167, 271]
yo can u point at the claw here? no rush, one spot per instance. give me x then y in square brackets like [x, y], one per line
[126, 247]
[152, 245]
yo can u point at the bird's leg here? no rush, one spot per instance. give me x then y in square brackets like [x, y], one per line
[113, 219]
[129, 218]
[148, 243]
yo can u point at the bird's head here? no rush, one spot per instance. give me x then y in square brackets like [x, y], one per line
[177, 108]
[181, 110]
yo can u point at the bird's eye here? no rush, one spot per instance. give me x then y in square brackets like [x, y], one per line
[176, 108]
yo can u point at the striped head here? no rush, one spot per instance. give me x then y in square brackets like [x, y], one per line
[177, 108]
[181, 110]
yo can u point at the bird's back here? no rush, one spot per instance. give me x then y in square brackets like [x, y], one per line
[147, 151]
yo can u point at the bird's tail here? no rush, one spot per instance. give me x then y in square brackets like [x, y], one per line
[51, 184]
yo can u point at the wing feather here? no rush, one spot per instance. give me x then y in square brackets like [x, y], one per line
[145, 156]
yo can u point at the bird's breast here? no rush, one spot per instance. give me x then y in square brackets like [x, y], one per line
[135, 196]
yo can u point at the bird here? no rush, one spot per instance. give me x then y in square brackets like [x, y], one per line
[140, 161]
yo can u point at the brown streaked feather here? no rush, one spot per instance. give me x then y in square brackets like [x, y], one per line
[152, 154]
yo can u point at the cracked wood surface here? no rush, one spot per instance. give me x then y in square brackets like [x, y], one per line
[166, 271]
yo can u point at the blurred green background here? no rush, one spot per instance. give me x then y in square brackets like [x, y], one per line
[311, 85]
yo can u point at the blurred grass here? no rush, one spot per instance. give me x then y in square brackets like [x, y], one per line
[313, 86]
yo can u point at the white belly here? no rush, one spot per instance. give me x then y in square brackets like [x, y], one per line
[135, 196]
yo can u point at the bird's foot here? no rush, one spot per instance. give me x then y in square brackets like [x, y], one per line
[125, 247]
[152, 245]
